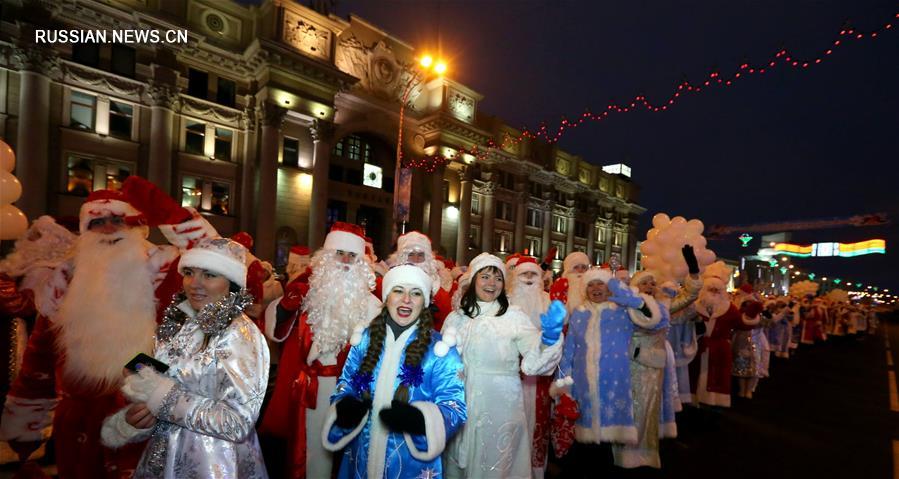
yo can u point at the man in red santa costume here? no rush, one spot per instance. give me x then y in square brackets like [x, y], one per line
[525, 290]
[570, 287]
[317, 327]
[103, 309]
[415, 248]
[710, 377]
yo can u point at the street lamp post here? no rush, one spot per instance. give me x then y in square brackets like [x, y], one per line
[402, 176]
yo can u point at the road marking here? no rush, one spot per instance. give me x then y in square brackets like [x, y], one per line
[894, 397]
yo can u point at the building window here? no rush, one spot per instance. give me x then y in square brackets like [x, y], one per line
[560, 224]
[206, 195]
[502, 241]
[353, 148]
[580, 229]
[475, 236]
[87, 54]
[618, 238]
[503, 211]
[225, 92]
[290, 152]
[88, 174]
[639, 260]
[506, 180]
[560, 251]
[533, 246]
[536, 189]
[598, 257]
[560, 197]
[197, 83]
[195, 138]
[82, 110]
[122, 61]
[223, 140]
[475, 203]
[535, 218]
[120, 117]
[600, 234]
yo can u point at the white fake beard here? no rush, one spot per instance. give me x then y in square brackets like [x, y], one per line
[338, 299]
[530, 298]
[712, 305]
[577, 290]
[108, 314]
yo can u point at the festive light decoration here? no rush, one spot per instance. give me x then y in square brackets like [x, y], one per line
[772, 262]
[745, 238]
[837, 280]
[715, 78]
[811, 276]
[830, 249]
[783, 270]
[429, 164]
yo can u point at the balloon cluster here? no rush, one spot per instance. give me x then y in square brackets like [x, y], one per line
[837, 296]
[664, 242]
[802, 289]
[13, 222]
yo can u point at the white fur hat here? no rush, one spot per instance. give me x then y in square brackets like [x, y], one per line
[596, 273]
[409, 276]
[574, 259]
[484, 260]
[221, 256]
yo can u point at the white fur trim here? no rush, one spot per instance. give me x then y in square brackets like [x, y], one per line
[188, 233]
[356, 337]
[600, 274]
[411, 241]
[617, 434]
[227, 266]
[441, 349]
[27, 419]
[342, 442]
[92, 210]
[271, 320]
[435, 432]
[640, 319]
[668, 430]
[345, 241]
[116, 432]
[409, 276]
[484, 260]
[163, 386]
[560, 387]
[450, 336]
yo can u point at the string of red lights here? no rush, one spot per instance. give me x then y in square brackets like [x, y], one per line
[715, 78]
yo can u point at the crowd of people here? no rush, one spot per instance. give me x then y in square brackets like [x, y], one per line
[410, 367]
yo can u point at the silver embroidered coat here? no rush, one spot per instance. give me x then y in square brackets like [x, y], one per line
[206, 426]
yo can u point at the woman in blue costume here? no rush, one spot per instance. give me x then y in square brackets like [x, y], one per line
[400, 396]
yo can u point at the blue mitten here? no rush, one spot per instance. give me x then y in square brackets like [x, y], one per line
[622, 295]
[552, 321]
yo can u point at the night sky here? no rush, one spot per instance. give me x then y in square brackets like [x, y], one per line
[788, 145]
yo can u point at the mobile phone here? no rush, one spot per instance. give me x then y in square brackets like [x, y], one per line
[142, 358]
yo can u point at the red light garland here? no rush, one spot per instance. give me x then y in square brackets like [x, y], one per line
[715, 78]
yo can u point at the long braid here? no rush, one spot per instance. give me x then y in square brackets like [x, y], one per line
[417, 349]
[377, 331]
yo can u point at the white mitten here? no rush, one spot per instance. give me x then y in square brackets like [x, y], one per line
[147, 386]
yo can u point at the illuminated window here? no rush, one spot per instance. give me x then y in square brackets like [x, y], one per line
[206, 195]
[560, 224]
[533, 245]
[223, 140]
[535, 218]
[290, 152]
[560, 251]
[598, 257]
[353, 148]
[600, 234]
[475, 204]
[89, 174]
[503, 211]
[195, 138]
[502, 241]
[82, 110]
[618, 238]
[120, 116]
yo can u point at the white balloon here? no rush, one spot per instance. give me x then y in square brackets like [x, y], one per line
[649, 248]
[678, 220]
[695, 226]
[651, 234]
[680, 270]
[660, 220]
[13, 223]
[7, 157]
[10, 188]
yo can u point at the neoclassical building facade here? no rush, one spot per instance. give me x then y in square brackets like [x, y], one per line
[278, 119]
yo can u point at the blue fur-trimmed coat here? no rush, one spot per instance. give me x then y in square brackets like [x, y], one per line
[374, 451]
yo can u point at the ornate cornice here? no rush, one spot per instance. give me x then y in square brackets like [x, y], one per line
[207, 109]
[162, 95]
[447, 124]
[38, 60]
[271, 115]
[321, 130]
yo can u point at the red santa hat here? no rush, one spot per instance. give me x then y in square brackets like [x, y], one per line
[298, 255]
[412, 241]
[104, 204]
[447, 263]
[746, 288]
[244, 238]
[526, 263]
[221, 256]
[346, 237]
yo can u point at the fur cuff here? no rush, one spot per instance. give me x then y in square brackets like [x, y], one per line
[668, 430]
[157, 397]
[435, 432]
[329, 424]
[27, 419]
[640, 319]
[116, 432]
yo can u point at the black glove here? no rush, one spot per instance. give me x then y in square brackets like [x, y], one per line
[690, 258]
[403, 417]
[700, 328]
[350, 412]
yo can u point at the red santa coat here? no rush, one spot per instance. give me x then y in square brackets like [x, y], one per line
[813, 318]
[713, 370]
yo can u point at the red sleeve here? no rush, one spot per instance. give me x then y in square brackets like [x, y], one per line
[37, 377]
[378, 282]
[256, 275]
[443, 300]
[559, 290]
[14, 302]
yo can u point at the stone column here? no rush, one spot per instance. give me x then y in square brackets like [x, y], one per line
[547, 225]
[464, 228]
[321, 160]
[248, 168]
[569, 239]
[521, 210]
[159, 165]
[36, 67]
[610, 236]
[591, 235]
[487, 216]
[435, 218]
[272, 120]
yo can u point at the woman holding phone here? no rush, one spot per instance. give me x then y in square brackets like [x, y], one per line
[200, 415]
